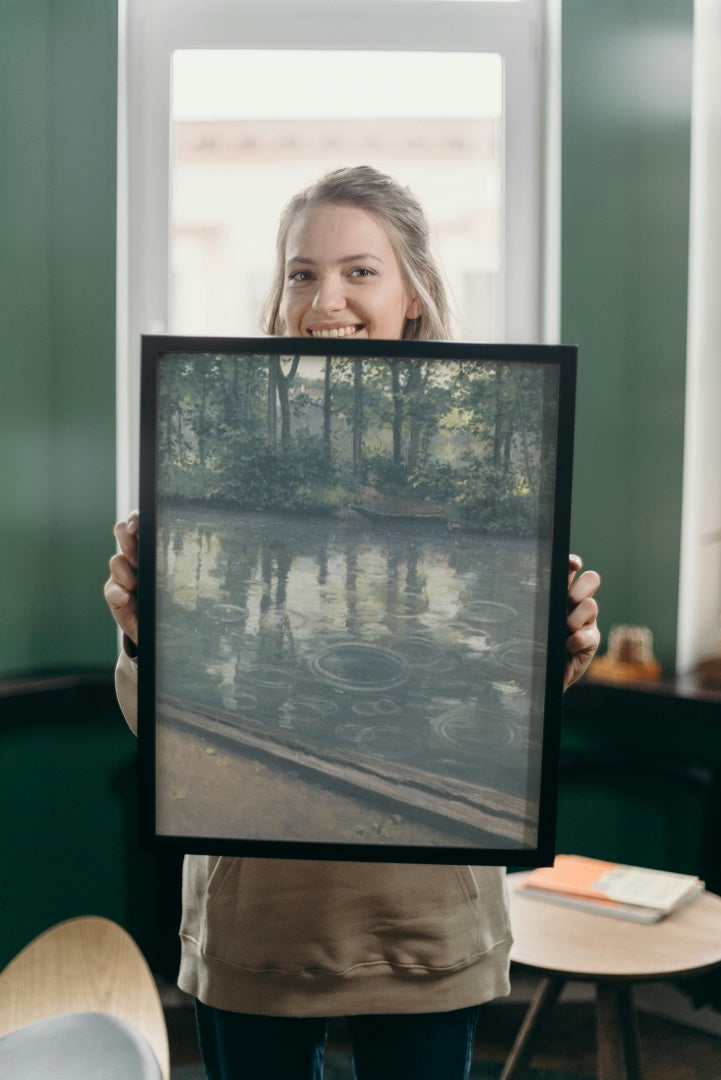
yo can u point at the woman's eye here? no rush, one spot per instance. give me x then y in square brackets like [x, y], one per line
[300, 276]
[362, 272]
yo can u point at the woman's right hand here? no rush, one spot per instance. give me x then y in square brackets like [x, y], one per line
[121, 587]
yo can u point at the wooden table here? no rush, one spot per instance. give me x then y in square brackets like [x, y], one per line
[563, 944]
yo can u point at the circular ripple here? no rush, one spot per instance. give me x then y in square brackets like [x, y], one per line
[318, 706]
[521, 656]
[268, 675]
[244, 701]
[348, 732]
[381, 707]
[471, 729]
[508, 689]
[302, 715]
[358, 665]
[418, 651]
[386, 741]
[487, 612]
[387, 707]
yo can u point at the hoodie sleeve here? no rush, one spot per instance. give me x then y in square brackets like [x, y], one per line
[126, 688]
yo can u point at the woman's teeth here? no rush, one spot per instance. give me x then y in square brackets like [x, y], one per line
[336, 332]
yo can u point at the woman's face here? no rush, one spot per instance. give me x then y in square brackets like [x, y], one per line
[342, 277]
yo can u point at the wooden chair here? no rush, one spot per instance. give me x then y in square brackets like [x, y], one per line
[83, 984]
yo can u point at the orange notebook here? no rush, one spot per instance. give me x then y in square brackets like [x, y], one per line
[631, 892]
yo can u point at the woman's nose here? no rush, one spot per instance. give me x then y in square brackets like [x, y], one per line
[329, 296]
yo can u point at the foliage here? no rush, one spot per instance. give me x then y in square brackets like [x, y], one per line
[380, 471]
[495, 502]
[266, 433]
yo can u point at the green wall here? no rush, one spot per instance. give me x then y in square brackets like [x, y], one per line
[67, 760]
[58, 72]
[625, 200]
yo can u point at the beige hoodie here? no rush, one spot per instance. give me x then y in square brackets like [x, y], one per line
[298, 938]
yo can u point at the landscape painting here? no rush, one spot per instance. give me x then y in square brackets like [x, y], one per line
[352, 596]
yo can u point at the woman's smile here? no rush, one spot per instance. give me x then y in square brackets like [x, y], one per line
[335, 331]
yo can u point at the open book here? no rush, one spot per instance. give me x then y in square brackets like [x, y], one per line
[608, 888]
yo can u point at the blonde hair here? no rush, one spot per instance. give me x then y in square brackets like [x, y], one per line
[403, 217]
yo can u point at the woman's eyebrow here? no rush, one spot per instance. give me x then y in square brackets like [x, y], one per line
[361, 257]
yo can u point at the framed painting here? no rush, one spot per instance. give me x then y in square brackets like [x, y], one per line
[352, 597]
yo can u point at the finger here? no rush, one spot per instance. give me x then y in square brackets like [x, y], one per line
[126, 534]
[119, 599]
[576, 666]
[583, 641]
[123, 608]
[123, 573]
[585, 585]
[575, 563]
[582, 614]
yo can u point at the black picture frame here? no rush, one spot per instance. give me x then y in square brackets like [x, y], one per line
[353, 568]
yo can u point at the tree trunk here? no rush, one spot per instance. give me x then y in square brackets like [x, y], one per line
[273, 368]
[397, 410]
[283, 386]
[327, 429]
[415, 420]
[201, 420]
[357, 417]
[499, 419]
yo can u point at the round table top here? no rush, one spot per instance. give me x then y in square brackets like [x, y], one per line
[559, 940]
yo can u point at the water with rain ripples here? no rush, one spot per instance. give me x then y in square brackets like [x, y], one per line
[403, 640]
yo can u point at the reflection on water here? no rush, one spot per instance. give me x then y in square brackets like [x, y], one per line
[403, 641]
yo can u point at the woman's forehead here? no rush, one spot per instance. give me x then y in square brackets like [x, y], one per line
[326, 229]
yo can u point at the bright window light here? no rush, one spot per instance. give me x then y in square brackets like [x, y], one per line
[239, 154]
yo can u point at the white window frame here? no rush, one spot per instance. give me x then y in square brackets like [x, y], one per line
[526, 34]
[699, 597]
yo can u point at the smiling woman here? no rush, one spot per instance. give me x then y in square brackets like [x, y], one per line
[353, 259]
[298, 940]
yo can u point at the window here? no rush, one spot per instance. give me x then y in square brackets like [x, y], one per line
[236, 160]
[227, 107]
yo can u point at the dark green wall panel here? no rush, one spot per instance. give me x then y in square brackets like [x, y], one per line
[68, 801]
[58, 77]
[626, 146]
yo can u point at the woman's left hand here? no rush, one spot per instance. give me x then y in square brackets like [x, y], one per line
[583, 635]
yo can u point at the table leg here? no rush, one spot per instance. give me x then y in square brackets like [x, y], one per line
[617, 1033]
[545, 997]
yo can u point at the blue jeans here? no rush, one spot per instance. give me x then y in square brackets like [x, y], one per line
[416, 1046]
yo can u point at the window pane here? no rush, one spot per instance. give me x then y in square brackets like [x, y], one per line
[252, 127]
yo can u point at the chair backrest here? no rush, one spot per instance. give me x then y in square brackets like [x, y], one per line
[88, 964]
